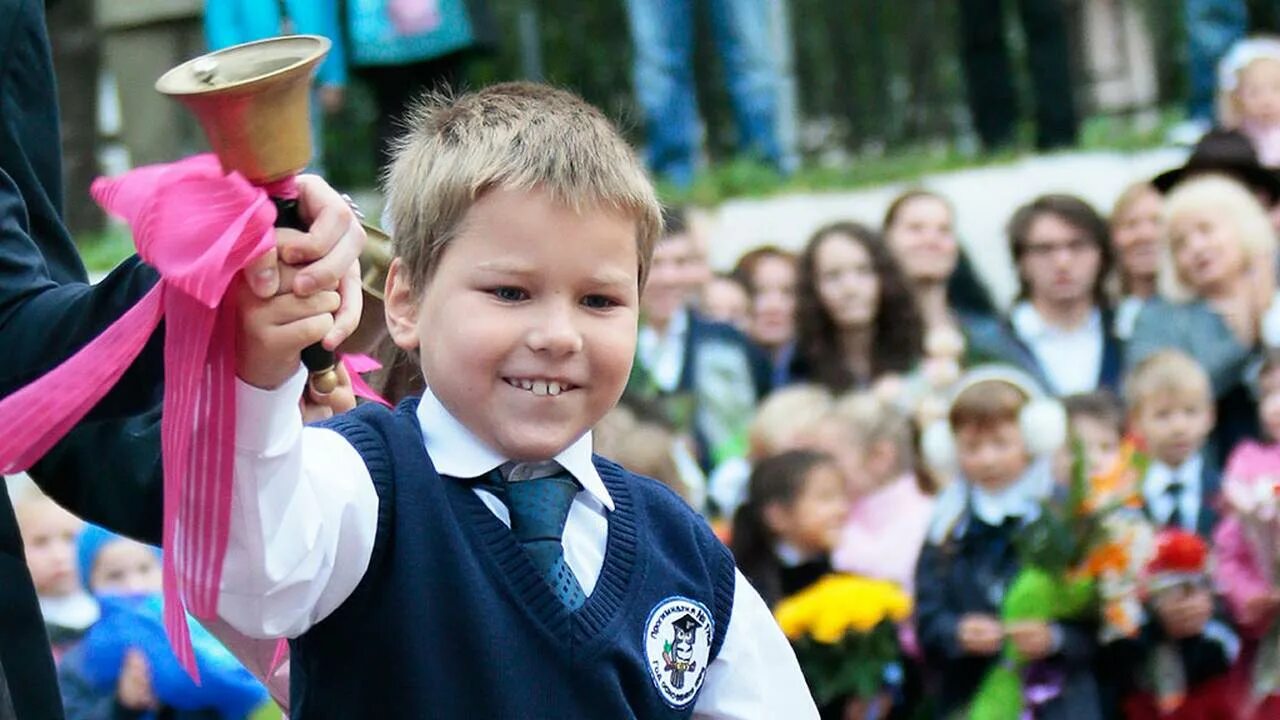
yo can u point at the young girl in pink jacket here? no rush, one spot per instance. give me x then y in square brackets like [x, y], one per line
[1247, 544]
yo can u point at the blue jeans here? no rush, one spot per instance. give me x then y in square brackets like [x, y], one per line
[662, 32]
[1213, 26]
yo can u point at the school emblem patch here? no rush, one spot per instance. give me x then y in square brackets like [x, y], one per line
[677, 644]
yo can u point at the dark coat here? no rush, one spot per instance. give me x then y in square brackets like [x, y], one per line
[108, 469]
[993, 339]
[969, 573]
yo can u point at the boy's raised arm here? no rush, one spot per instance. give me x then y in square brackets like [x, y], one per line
[303, 517]
[303, 509]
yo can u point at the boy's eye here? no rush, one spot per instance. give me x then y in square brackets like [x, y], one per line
[507, 293]
[599, 302]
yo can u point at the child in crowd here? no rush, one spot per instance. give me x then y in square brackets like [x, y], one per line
[785, 532]
[1249, 94]
[645, 448]
[725, 299]
[49, 540]
[1096, 422]
[889, 513]
[1170, 408]
[782, 422]
[1000, 434]
[123, 667]
[1181, 672]
[1246, 549]
[468, 543]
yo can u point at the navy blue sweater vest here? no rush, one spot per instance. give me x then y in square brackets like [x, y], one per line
[452, 620]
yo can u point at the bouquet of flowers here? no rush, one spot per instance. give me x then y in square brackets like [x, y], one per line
[844, 632]
[1083, 555]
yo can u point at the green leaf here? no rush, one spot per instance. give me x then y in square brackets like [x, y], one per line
[999, 697]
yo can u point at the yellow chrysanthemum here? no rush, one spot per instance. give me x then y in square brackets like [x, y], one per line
[829, 628]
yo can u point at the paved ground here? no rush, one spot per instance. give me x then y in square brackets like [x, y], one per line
[984, 199]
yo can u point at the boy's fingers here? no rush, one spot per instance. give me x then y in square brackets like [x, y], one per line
[304, 332]
[262, 275]
[285, 309]
[345, 243]
[347, 316]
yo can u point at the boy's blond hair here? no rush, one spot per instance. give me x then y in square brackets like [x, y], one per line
[874, 421]
[1224, 198]
[518, 136]
[1165, 373]
[784, 415]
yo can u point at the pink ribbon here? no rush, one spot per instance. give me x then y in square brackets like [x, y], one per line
[356, 365]
[199, 228]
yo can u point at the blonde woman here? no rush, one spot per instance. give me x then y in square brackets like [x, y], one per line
[1216, 281]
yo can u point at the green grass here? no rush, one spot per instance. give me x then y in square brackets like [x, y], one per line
[749, 179]
[103, 251]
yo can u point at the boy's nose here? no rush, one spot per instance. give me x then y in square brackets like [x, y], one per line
[555, 334]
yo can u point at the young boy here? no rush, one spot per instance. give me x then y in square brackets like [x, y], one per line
[124, 668]
[380, 542]
[1171, 409]
[1170, 406]
[49, 543]
[1003, 434]
[1096, 421]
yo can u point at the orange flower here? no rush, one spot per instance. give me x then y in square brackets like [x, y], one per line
[1117, 615]
[1108, 556]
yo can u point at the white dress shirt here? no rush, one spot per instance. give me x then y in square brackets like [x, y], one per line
[662, 354]
[1155, 491]
[303, 522]
[1071, 359]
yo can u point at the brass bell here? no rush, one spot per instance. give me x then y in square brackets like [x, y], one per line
[253, 101]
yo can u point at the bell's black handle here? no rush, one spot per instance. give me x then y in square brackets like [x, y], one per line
[320, 362]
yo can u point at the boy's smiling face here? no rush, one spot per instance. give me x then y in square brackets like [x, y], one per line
[527, 327]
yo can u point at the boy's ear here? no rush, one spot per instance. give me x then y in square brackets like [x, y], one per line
[401, 307]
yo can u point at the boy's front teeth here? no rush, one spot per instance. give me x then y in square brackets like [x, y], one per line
[540, 387]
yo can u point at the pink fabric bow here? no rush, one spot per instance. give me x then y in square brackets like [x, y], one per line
[198, 228]
[356, 365]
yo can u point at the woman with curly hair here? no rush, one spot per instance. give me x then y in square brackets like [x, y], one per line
[856, 320]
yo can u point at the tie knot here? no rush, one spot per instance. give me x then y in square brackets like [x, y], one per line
[1175, 489]
[539, 503]
[514, 472]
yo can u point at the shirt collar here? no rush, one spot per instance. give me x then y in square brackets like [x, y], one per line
[1161, 476]
[677, 326]
[1020, 500]
[457, 452]
[1030, 324]
[789, 555]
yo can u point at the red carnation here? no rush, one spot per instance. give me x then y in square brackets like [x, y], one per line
[1179, 551]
